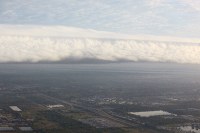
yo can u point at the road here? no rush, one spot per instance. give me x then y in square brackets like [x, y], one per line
[96, 111]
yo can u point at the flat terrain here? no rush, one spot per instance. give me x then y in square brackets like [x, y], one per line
[98, 98]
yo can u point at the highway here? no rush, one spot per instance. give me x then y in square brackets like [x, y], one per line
[97, 111]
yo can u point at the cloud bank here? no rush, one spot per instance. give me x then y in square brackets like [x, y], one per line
[57, 44]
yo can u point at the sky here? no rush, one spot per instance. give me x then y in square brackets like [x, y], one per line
[100, 30]
[179, 18]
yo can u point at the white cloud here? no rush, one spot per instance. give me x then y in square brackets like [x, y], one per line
[157, 17]
[155, 3]
[193, 4]
[42, 43]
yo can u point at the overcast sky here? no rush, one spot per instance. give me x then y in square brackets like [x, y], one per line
[156, 17]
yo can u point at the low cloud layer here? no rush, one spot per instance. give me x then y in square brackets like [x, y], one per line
[25, 46]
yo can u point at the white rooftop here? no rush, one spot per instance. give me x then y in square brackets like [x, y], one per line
[150, 113]
[15, 108]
